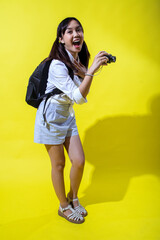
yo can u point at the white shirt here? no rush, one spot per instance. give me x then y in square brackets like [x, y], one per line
[59, 77]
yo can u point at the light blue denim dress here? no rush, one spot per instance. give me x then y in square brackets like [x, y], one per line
[57, 121]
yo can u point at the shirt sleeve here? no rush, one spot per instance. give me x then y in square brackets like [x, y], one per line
[59, 77]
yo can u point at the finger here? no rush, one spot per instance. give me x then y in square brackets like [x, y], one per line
[77, 65]
[104, 58]
[76, 62]
[81, 65]
[103, 61]
[102, 53]
[80, 69]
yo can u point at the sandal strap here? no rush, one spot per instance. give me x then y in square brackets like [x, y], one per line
[75, 216]
[80, 209]
[69, 207]
[72, 199]
[72, 216]
[75, 199]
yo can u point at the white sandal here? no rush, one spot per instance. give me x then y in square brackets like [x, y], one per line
[73, 217]
[81, 210]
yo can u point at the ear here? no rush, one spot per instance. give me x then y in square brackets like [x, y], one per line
[61, 40]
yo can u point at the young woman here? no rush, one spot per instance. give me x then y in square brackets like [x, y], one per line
[58, 129]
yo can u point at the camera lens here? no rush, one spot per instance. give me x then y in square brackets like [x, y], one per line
[111, 58]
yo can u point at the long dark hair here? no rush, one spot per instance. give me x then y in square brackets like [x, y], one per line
[58, 50]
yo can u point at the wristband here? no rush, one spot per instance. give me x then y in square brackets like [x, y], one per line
[87, 74]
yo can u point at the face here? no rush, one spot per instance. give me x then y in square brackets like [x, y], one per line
[73, 38]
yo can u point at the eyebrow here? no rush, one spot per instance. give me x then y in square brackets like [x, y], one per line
[75, 27]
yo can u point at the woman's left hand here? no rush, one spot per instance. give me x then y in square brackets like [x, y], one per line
[81, 69]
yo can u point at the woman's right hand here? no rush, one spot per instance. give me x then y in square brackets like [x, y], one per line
[99, 60]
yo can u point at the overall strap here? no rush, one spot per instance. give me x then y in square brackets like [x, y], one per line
[48, 95]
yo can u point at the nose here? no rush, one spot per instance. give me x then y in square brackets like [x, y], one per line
[76, 33]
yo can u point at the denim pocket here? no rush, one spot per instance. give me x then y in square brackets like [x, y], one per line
[56, 114]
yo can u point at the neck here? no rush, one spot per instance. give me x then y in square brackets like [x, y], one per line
[72, 55]
[75, 55]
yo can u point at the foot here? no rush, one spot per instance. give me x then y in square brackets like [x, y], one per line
[77, 206]
[73, 217]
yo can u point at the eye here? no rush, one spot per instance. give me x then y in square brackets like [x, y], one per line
[70, 32]
[79, 29]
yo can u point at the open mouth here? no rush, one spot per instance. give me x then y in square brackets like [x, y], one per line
[76, 43]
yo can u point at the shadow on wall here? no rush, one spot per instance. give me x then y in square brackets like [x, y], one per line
[120, 148]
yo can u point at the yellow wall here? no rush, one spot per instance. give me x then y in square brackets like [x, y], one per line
[119, 126]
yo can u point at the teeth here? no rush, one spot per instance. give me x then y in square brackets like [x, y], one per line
[77, 41]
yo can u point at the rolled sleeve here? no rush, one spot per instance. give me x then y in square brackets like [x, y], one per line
[78, 98]
[60, 78]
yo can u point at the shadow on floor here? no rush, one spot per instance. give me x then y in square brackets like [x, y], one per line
[120, 148]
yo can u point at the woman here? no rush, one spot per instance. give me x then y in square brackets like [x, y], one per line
[58, 129]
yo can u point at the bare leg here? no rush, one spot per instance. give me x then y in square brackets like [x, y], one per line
[75, 151]
[56, 153]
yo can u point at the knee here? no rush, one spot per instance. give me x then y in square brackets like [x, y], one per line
[59, 166]
[79, 162]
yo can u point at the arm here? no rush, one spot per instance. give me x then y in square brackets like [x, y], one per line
[99, 60]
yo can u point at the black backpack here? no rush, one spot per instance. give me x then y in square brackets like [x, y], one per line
[38, 82]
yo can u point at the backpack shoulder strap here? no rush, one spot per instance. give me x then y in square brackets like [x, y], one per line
[43, 82]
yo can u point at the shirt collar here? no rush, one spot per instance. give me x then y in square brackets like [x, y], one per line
[71, 57]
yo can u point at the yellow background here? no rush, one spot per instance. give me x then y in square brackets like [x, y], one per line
[119, 126]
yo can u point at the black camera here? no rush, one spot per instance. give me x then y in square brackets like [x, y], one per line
[111, 58]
